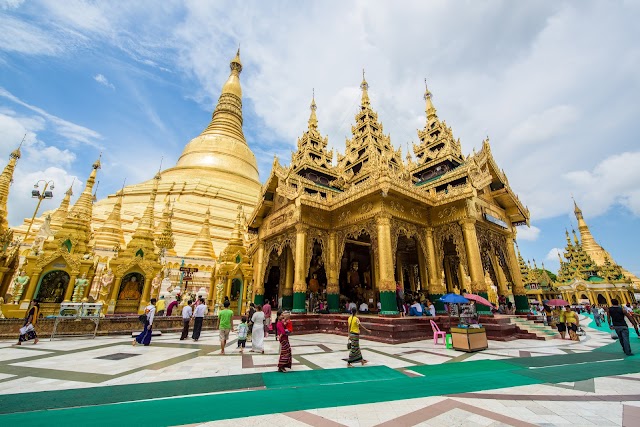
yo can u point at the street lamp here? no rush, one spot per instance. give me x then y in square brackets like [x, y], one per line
[36, 194]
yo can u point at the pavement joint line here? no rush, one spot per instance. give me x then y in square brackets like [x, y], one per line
[578, 363]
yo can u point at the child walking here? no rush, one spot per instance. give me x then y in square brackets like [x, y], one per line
[243, 330]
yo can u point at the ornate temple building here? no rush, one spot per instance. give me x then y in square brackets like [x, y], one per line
[116, 247]
[538, 284]
[588, 273]
[434, 222]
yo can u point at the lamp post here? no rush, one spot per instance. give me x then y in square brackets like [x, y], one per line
[36, 194]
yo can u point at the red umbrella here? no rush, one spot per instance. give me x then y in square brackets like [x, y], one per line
[557, 303]
[478, 299]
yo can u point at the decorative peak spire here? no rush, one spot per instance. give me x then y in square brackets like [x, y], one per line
[237, 235]
[365, 92]
[235, 64]
[559, 257]
[429, 109]
[110, 235]
[313, 119]
[576, 210]
[575, 237]
[69, 192]
[6, 178]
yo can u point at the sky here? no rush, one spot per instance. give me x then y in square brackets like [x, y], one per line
[554, 85]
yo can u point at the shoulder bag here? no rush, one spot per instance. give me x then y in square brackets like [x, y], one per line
[348, 333]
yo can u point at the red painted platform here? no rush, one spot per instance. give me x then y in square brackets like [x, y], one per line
[395, 330]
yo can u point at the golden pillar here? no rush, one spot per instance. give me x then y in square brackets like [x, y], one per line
[258, 281]
[146, 293]
[435, 286]
[27, 296]
[519, 293]
[333, 287]
[300, 276]
[287, 292]
[539, 298]
[607, 296]
[113, 300]
[422, 269]
[69, 291]
[473, 256]
[386, 284]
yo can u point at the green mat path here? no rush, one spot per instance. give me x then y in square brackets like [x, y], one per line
[301, 390]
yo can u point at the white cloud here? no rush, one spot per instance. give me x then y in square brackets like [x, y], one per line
[103, 81]
[74, 132]
[528, 233]
[552, 255]
[22, 37]
[615, 180]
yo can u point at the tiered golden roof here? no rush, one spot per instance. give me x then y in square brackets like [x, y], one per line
[60, 214]
[110, 235]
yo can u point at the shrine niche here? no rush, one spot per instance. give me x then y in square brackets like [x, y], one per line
[52, 287]
[131, 287]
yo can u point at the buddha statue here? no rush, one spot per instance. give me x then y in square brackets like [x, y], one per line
[130, 290]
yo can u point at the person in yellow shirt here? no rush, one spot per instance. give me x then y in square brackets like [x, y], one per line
[572, 321]
[160, 306]
[354, 325]
[558, 314]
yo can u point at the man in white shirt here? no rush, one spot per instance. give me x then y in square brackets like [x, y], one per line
[379, 305]
[431, 308]
[351, 306]
[416, 309]
[198, 315]
[149, 312]
[364, 308]
[187, 314]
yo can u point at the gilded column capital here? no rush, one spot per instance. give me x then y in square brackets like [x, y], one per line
[428, 231]
[299, 287]
[287, 292]
[302, 228]
[333, 288]
[383, 219]
[387, 286]
[467, 223]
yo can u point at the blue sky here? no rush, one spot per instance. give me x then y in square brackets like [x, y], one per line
[554, 84]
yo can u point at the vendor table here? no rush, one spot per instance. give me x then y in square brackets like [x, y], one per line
[77, 312]
[469, 339]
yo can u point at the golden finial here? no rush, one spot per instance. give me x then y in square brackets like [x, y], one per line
[235, 64]
[97, 164]
[16, 154]
[365, 88]
[430, 110]
[69, 192]
[157, 175]
[95, 192]
[313, 119]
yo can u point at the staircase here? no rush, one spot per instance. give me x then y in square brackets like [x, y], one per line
[535, 327]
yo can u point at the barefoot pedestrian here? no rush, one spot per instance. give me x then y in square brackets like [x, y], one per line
[354, 325]
[28, 331]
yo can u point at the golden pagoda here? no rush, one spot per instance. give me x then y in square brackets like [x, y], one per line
[440, 223]
[217, 171]
[588, 273]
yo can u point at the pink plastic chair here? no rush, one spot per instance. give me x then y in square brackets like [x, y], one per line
[437, 333]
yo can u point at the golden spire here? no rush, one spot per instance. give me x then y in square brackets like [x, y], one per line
[6, 178]
[227, 117]
[61, 213]
[237, 235]
[82, 209]
[430, 110]
[365, 103]
[559, 257]
[202, 246]
[165, 240]
[575, 237]
[146, 225]
[313, 120]
[110, 234]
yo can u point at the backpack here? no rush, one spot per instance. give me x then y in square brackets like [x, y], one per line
[143, 319]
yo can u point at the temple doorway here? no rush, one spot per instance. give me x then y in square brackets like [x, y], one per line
[52, 287]
[317, 278]
[408, 264]
[452, 267]
[355, 269]
[602, 300]
[236, 295]
[272, 284]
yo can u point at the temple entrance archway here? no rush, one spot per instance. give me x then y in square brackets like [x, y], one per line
[236, 295]
[130, 292]
[452, 267]
[52, 286]
[408, 262]
[356, 270]
[601, 300]
[272, 284]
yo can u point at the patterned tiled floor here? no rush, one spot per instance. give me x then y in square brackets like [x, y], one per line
[104, 362]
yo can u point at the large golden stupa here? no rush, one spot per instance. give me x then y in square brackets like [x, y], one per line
[216, 172]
